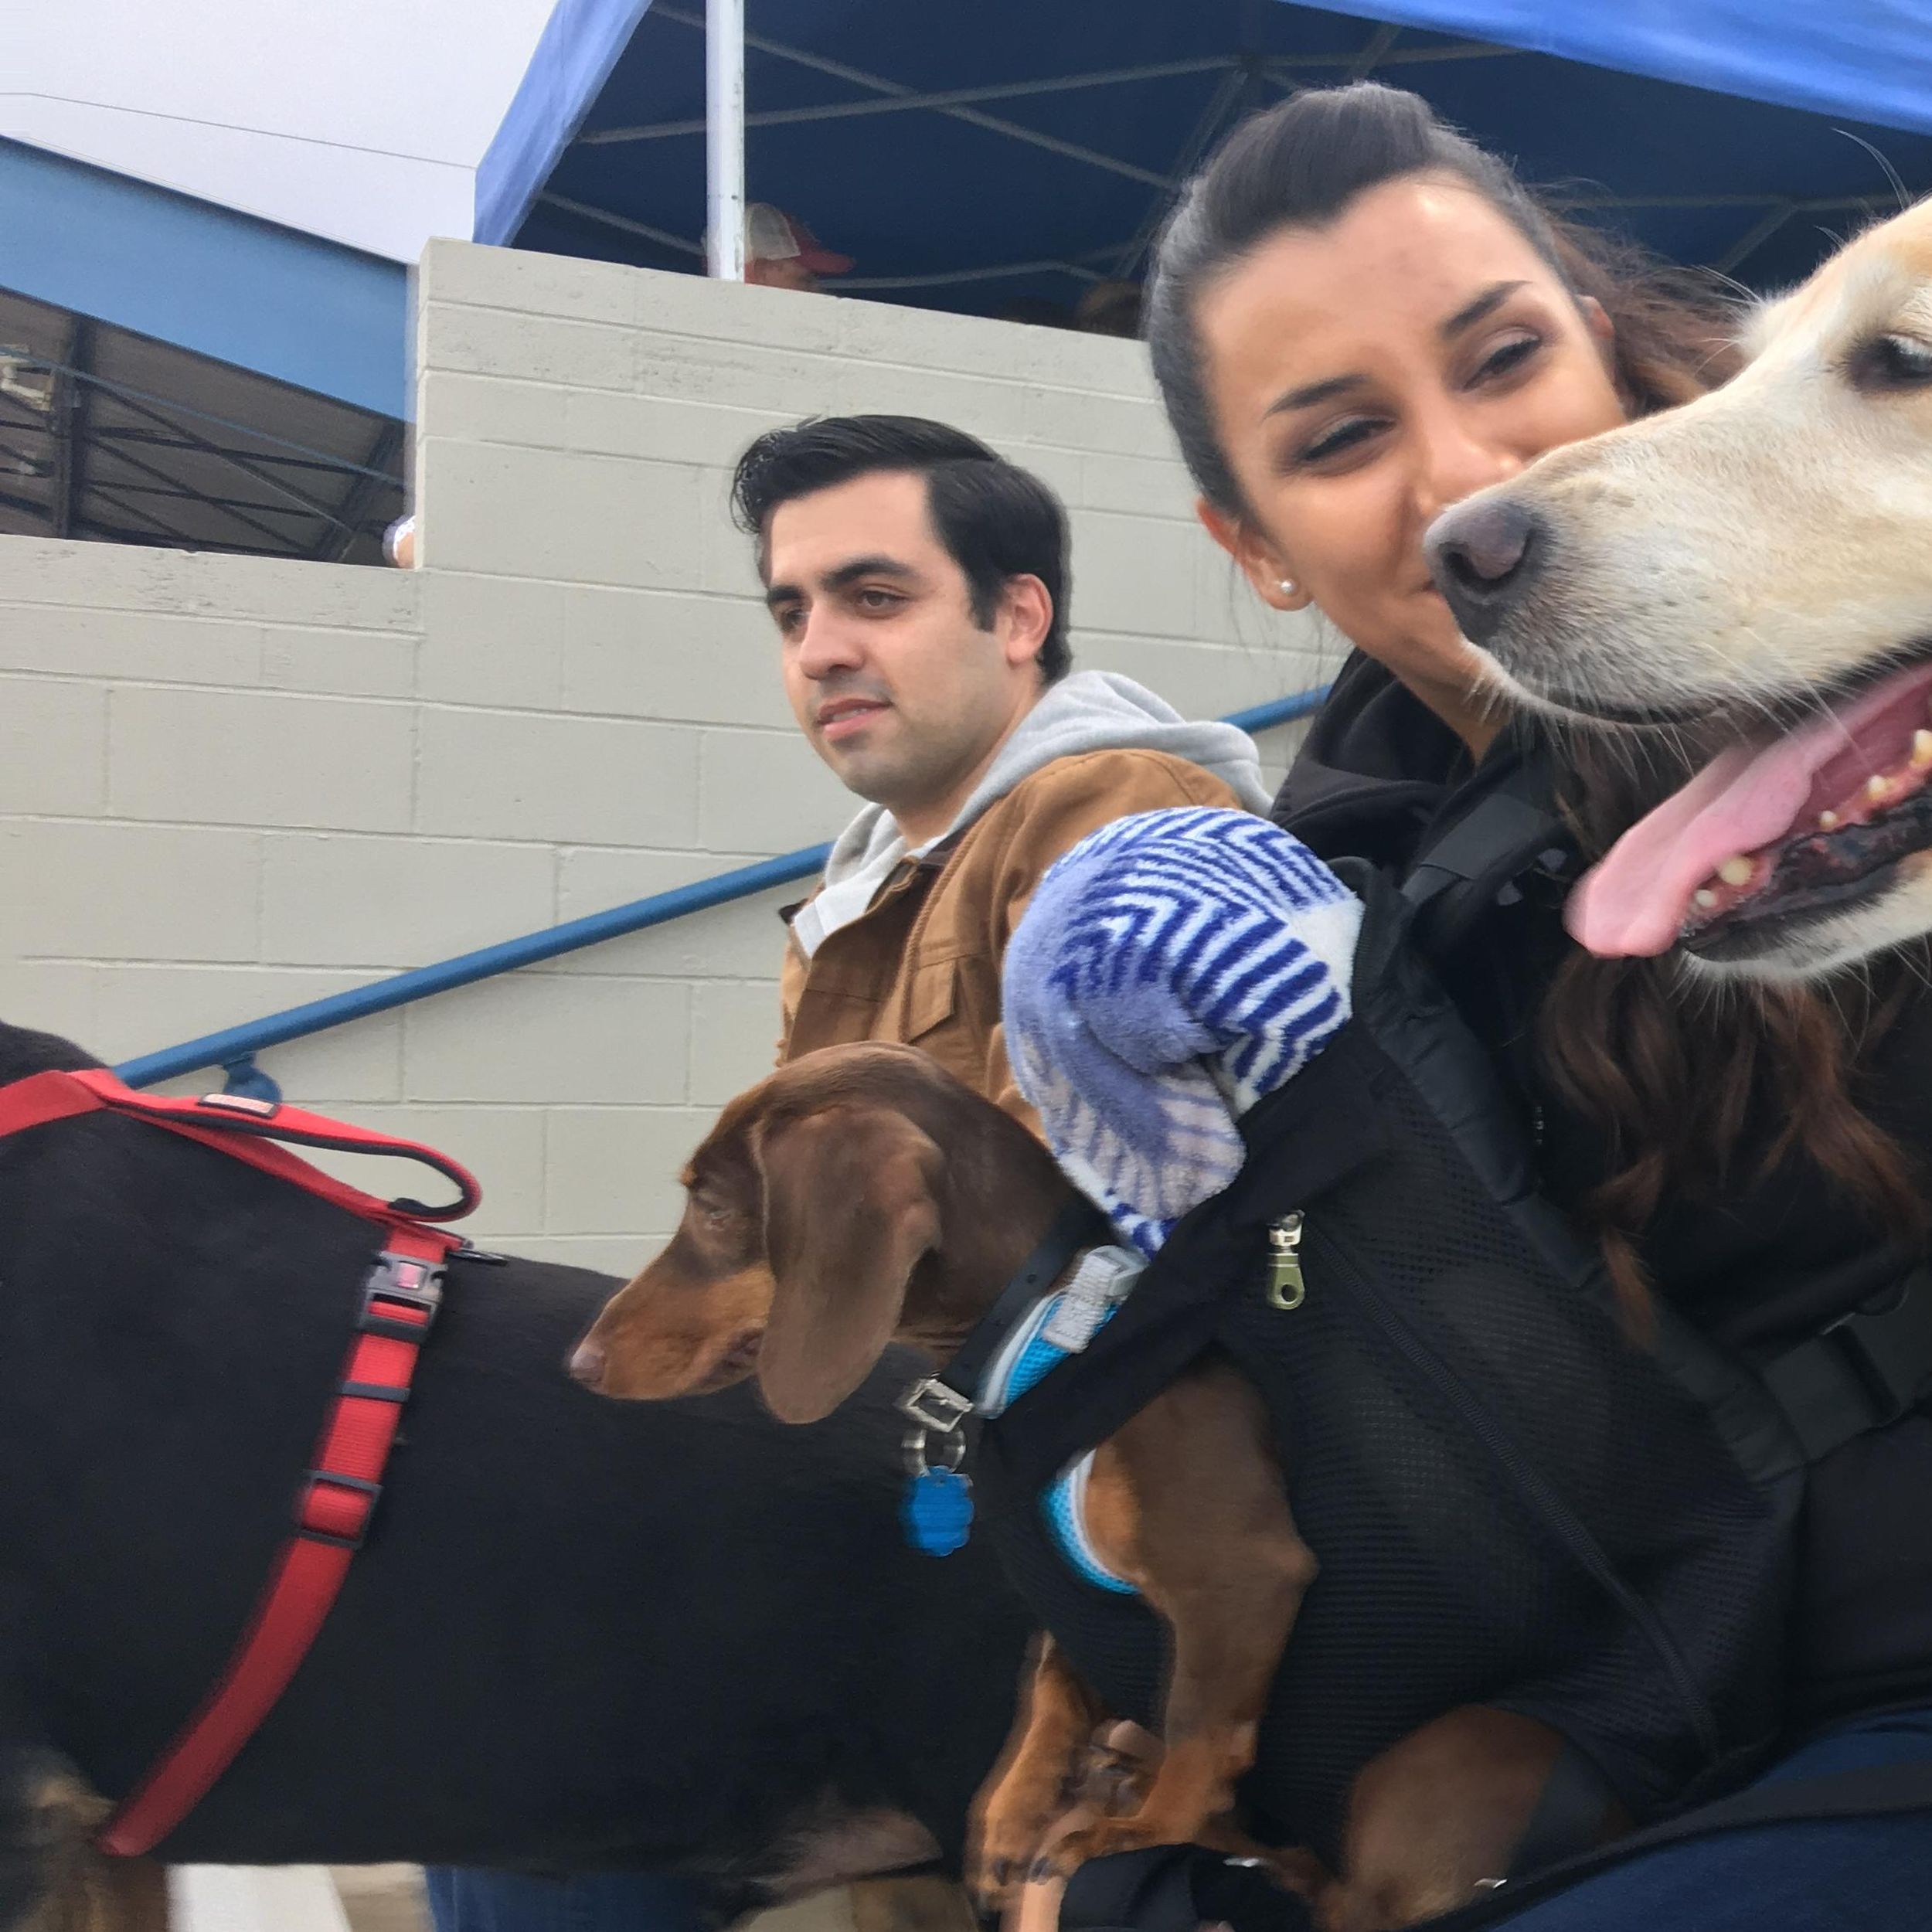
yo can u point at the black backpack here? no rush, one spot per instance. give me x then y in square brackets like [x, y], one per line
[1511, 1504]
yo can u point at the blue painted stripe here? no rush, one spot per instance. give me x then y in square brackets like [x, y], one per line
[315, 313]
[317, 1015]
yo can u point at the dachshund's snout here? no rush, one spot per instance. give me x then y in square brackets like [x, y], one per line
[1483, 554]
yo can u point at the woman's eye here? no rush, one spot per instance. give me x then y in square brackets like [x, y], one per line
[1340, 439]
[1509, 355]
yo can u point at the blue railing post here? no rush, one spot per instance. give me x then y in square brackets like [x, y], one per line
[243, 1076]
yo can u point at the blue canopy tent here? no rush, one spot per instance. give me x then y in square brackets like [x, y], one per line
[974, 154]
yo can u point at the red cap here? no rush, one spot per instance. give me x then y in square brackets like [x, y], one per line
[773, 235]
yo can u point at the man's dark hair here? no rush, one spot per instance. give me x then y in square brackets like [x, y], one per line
[995, 520]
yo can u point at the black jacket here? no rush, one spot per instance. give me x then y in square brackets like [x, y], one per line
[1778, 1258]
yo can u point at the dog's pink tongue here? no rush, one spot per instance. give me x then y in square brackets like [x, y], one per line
[1634, 903]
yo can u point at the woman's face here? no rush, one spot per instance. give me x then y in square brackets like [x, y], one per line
[1366, 375]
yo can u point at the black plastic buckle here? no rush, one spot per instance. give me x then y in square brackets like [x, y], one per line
[1867, 1370]
[1890, 1348]
[329, 1479]
[403, 1282]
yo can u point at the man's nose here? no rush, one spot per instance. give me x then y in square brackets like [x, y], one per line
[827, 645]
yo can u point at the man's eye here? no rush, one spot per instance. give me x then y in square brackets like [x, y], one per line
[879, 601]
[790, 620]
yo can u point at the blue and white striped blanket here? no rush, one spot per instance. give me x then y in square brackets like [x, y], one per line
[1171, 970]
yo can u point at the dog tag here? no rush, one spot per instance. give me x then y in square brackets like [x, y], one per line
[937, 1511]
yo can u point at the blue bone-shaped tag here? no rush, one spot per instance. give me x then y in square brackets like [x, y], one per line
[937, 1511]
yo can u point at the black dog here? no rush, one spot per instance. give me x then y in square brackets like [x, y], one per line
[582, 1633]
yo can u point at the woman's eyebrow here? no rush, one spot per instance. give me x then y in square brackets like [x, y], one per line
[1467, 317]
[1311, 393]
[1472, 312]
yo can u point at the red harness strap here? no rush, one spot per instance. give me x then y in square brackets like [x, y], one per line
[338, 1495]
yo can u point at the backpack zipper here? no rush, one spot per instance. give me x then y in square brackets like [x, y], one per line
[1535, 1488]
[1286, 1288]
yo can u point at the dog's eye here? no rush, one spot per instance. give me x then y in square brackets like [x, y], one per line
[1893, 362]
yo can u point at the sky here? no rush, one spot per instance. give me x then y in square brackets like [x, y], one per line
[360, 120]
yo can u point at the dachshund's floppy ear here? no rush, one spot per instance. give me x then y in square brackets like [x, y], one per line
[851, 1209]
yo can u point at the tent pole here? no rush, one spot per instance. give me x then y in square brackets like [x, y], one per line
[724, 67]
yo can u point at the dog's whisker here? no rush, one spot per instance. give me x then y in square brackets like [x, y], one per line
[1892, 175]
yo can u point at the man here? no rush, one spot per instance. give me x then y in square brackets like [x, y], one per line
[781, 252]
[919, 585]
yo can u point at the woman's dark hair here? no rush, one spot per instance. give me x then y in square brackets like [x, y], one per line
[1672, 1085]
[995, 520]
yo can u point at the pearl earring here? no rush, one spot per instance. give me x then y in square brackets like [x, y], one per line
[1285, 586]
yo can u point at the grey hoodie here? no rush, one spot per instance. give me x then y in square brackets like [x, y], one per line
[1090, 711]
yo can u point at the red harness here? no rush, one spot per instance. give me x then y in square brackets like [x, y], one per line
[338, 1495]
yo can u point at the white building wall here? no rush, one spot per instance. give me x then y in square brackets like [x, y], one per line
[230, 785]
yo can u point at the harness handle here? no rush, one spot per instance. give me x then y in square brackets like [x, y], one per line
[250, 1131]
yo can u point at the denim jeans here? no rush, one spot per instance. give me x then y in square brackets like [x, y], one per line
[464, 1901]
[1839, 1875]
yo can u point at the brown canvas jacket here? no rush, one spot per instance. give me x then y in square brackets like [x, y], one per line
[921, 964]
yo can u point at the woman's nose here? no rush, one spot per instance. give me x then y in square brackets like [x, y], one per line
[1460, 457]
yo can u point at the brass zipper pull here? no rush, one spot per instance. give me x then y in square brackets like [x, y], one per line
[1285, 1287]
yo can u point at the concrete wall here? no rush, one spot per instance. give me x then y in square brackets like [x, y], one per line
[229, 785]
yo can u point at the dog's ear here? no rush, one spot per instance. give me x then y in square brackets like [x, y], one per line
[851, 1209]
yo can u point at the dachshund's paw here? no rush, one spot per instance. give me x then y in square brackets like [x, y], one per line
[1004, 1850]
[1107, 1835]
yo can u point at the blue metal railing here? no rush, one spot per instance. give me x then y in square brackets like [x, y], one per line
[233, 1049]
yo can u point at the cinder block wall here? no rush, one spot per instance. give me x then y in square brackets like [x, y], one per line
[227, 785]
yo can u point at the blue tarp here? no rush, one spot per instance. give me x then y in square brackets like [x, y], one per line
[1723, 131]
[1871, 59]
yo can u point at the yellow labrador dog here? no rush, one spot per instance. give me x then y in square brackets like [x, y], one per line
[1757, 564]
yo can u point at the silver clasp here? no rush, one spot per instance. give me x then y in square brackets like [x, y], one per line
[935, 1411]
[934, 1406]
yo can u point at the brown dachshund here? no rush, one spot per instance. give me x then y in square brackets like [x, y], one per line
[862, 1194]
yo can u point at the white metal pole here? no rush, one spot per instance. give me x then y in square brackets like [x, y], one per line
[724, 71]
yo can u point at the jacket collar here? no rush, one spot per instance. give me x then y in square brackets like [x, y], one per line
[1375, 768]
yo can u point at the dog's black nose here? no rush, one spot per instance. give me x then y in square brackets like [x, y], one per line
[1483, 555]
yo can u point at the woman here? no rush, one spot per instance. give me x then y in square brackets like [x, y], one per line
[1358, 318]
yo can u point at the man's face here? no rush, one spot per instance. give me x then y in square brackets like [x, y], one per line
[785, 272]
[899, 690]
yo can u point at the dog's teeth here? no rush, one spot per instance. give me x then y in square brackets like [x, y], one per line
[1829, 821]
[1705, 897]
[1737, 870]
[1922, 751]
[1878, 789]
